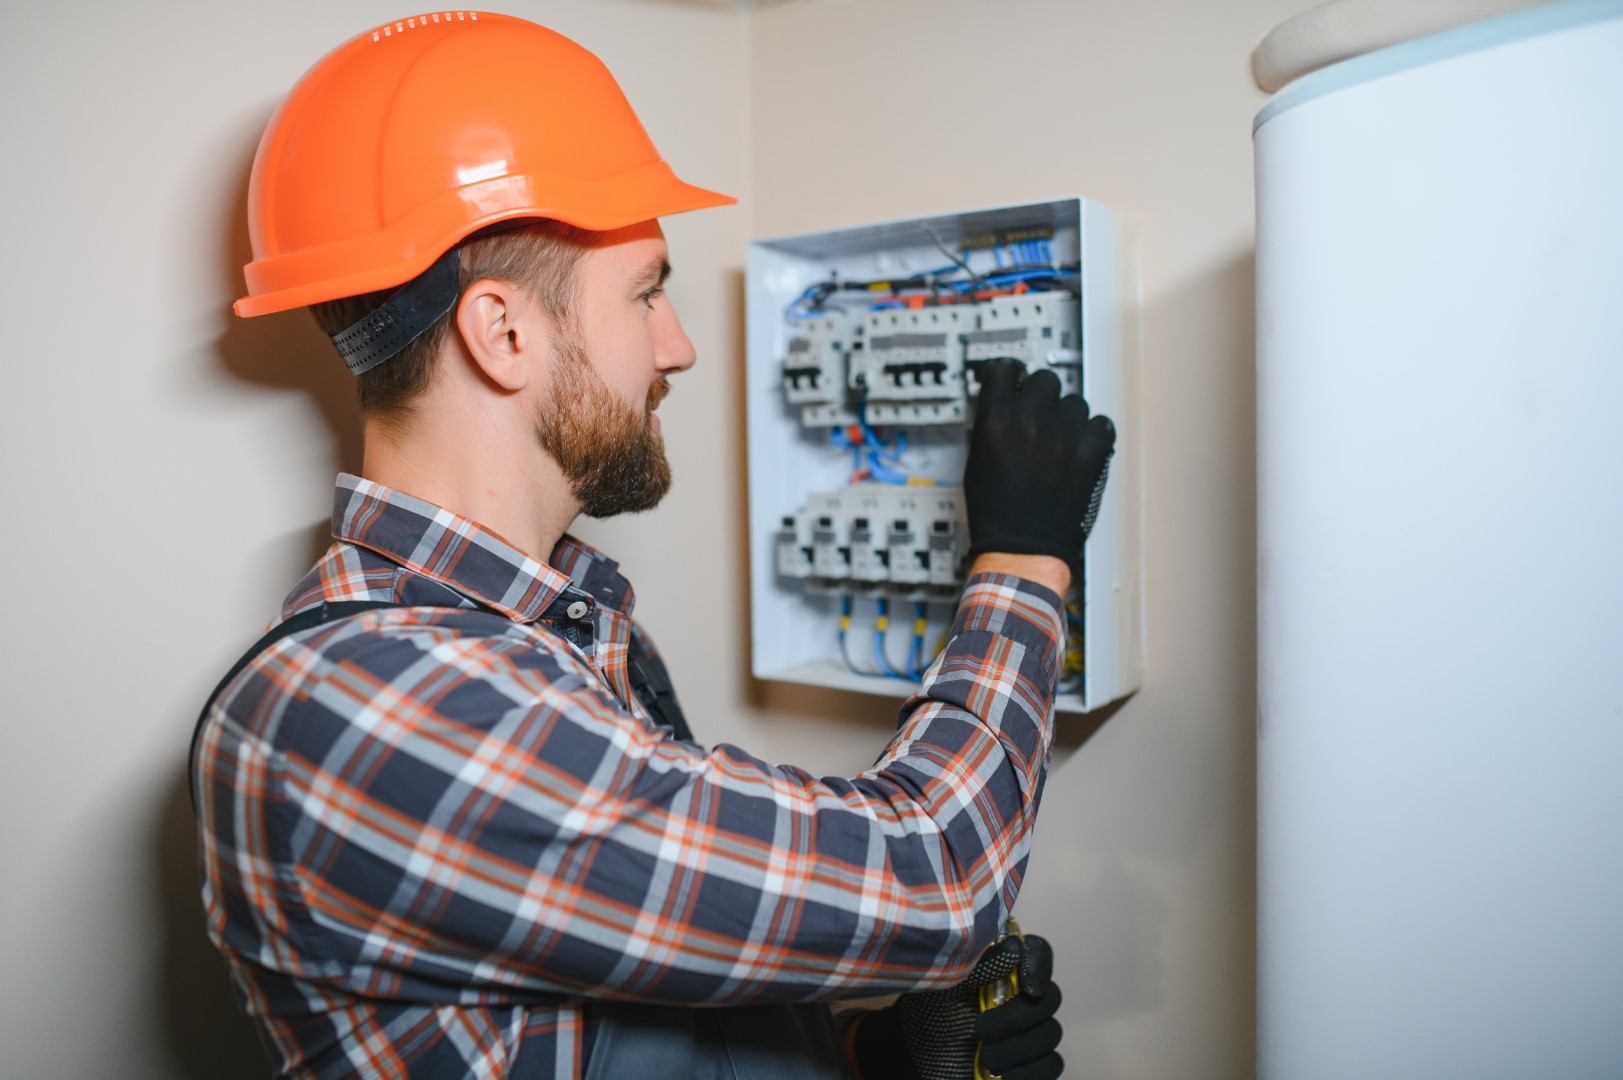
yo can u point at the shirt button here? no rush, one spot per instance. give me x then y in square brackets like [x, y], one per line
[577, 610]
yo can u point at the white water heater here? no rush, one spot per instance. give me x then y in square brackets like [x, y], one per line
[1440, 458]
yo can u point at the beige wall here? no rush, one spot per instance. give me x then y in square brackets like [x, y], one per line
[173, 466]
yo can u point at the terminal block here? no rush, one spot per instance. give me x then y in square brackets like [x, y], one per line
[913, 371]
[889, 540]
[1040, 329]
[814, 369]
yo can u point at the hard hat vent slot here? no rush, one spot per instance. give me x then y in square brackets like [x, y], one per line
[423, 20]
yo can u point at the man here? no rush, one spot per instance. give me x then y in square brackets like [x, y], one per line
[451, 821]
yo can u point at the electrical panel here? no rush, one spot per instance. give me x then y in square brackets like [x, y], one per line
[863, 358]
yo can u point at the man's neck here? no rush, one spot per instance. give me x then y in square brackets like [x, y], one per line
[522, 496]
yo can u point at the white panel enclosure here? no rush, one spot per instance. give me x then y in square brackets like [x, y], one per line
[1440, 445]
[792, 629]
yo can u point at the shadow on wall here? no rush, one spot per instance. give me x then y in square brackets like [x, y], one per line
[207, 1036]
[285, 351]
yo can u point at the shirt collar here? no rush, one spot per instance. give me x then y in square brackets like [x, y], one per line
[464, 555]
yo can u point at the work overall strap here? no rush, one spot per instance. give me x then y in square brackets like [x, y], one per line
[647, 677]
[304, 620]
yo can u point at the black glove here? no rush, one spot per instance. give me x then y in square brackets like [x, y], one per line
[934, 1034]
[1037, 466]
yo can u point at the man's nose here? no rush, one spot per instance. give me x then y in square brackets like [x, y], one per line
[672, 349]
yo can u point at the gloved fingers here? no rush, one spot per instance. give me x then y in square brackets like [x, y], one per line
[1017, 1015]
[1100, 433]
[1047, 1068]
[1040, 390]
[1001, 376]
[1028, 1048]
[1073, 410]
[1037, 972]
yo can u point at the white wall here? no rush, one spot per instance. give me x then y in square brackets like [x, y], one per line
[178, 462]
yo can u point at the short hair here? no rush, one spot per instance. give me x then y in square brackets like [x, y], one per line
[540, 256]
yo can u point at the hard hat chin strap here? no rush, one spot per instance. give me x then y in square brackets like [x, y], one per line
[412, 309]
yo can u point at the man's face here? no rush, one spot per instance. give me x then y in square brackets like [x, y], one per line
[609, 370]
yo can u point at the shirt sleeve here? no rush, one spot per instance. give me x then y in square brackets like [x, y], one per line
[441, 808]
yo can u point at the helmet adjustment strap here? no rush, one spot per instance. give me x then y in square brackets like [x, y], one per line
[402, 319]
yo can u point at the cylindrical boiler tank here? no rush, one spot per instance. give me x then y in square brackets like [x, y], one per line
[1440, 469]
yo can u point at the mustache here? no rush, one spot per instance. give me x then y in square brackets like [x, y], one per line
[657, 392]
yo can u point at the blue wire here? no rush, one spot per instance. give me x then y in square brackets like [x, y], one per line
[882, 473]
[1008, 277]
[845, 655]
[917, 650]
[877, 444]
[879, 644]
[838, 438]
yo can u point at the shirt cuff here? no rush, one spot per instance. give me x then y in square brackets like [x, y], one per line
[1018, 608]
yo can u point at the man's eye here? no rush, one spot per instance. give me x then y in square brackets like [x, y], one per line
[648, 297]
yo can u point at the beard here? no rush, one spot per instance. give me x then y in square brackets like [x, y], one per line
[608, 450]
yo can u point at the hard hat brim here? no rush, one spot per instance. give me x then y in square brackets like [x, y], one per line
[390, 257]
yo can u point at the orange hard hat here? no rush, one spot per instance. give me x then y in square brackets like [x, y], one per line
[402, 142]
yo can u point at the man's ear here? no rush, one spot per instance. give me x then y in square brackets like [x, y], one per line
[497, 325]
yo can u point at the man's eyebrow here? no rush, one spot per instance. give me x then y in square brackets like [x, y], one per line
[654, 273]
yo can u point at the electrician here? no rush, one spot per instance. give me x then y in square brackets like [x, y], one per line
[451, 820]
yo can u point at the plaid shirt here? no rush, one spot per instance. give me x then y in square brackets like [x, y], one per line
[430, 836]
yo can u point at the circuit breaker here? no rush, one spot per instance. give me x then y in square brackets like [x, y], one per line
[863, 358]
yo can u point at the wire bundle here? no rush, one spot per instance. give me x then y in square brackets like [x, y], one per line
[1021, 259]
[872, 458]
[914, 670]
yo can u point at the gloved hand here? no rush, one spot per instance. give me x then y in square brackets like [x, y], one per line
[1037, 466]
[934, 1034]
